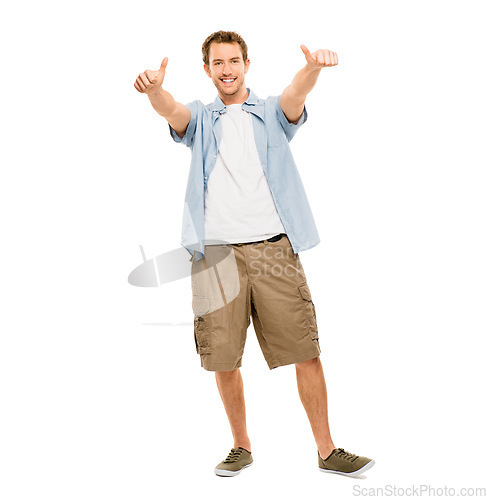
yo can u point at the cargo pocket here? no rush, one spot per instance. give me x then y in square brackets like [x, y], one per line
[201, 335]
[310, 311]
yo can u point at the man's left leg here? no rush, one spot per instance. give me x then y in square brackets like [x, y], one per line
[312, 392]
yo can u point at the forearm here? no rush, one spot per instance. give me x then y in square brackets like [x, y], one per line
[303, 83]
[163, 102]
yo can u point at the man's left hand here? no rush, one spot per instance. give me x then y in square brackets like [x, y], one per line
[321, 58]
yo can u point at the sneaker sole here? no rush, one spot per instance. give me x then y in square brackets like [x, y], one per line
[367, 466]
[231, 473]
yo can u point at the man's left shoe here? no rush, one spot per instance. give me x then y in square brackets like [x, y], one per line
[342, 462]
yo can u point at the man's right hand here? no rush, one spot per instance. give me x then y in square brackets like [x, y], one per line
[177, 114]
[148, 81]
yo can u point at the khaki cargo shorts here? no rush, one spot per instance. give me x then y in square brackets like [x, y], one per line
[263, 280]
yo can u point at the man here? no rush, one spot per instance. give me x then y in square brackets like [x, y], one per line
[254, 203]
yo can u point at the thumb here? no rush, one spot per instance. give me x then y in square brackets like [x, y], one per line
[304, 49]
[164, 63]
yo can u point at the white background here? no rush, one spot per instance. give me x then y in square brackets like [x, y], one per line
[99, 403]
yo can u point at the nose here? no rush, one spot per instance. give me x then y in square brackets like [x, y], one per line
[227, 69]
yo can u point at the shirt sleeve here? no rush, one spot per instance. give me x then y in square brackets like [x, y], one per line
[290, 128]
[188, 138]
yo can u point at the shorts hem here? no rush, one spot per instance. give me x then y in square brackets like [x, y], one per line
[311, 354]
[221, 367]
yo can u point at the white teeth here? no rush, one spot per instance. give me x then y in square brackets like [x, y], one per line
[228, 81]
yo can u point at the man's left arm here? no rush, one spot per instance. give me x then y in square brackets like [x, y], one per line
[293, 97]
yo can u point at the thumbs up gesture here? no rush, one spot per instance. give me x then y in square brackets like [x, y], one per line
[149, 80]
[321, 58]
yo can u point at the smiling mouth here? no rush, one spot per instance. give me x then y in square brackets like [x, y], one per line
[228, 81]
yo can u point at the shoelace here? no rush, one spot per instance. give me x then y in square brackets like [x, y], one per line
[233, 456]
[346, 455]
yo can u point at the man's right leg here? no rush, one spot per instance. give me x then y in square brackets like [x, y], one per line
[230, 386]
[221, 306]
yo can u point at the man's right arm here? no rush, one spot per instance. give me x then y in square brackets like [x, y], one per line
[177, 114]
[149, 82]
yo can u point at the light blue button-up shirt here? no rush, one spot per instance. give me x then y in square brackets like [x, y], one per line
[272, 132]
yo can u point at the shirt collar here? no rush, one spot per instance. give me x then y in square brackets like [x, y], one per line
[252, 99]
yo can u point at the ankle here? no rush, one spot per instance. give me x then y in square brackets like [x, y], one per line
[243, 444]
[325, 450]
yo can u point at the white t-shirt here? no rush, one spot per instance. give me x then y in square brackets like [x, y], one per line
[239, 206]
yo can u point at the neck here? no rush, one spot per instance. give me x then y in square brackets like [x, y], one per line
[239, 98]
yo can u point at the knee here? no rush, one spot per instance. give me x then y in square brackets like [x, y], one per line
[227, 374]
[308, 364]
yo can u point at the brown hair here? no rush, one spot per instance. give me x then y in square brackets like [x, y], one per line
[223, 37]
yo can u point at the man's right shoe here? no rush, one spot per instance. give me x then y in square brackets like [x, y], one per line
[238, 459]
[342, 462]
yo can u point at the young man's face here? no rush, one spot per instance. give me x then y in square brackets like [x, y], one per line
[227, 69]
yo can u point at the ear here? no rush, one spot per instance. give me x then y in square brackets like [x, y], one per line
[247, 64]
[207, 70]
